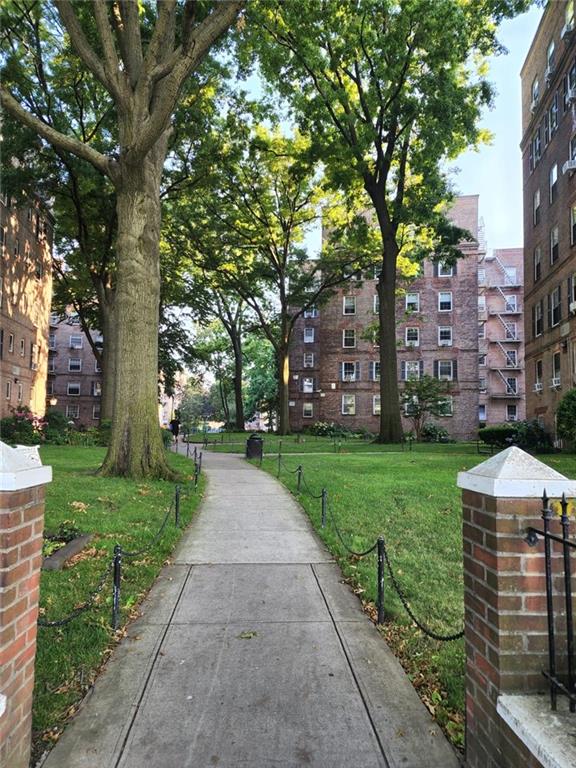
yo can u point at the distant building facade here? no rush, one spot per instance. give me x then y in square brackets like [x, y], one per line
[26, 236]
[501, 336]
[74, 376]
[549, 170]
[335, 363]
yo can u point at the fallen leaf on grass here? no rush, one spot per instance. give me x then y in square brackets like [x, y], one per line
[247, 635]
[79, 506]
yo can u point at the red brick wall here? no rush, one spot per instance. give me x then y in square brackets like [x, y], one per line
[506, 623]
[21, 527]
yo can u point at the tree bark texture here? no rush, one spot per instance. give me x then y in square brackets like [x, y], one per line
[136, 448]
[238, 370]
[283, 391]
[109, 327]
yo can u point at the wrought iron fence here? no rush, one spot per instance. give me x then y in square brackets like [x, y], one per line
[561, 662]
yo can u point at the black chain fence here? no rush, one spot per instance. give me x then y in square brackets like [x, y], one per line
[115, 563]
[379, 546]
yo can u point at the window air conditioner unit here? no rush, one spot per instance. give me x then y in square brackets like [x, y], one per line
[567, 30]
[572, 307]
[445, 344]
[538, 387]
[569, 166]
[555, 383]
[548, 72]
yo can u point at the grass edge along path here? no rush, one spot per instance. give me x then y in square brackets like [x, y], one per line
[114, 510]
[412, 500]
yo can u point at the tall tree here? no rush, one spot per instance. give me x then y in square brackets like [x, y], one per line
[141, 55]
[388, 89]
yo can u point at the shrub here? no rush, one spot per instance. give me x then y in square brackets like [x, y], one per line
[566, 417]
[501, 435]
[167, 437]
[85, 437]
[104, 432]
[56, 429]
[22, 428]
[328, 429]
[434, 433]
[529, 435]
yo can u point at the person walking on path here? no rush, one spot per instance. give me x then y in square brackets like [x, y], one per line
[251, 653]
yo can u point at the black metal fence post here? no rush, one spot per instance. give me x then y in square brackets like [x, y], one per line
[177, 506]
[196, 472]
[195, 454]
[299, 474]
[324, 504]
[380, 603]
[188, 450]
[200, 463]
[568, 598]
[546, 517]
[116, 588]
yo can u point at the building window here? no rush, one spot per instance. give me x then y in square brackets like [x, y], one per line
[511, 304]
[97, 367]
[52, 341]
[553, 113]
[445, 301]
[447, 406]
[572, 224]
[73, 388]
[481, 359]
[74, 364]
[538, 318]
[572, 292]
[510, 332]
[349, 305]
[8, 390]
[537, 263]
[34, 356]
[445, 370]
[22, 347]
[482, 412]
[308, 360]
[536, 207]
[511, 385]
[412, 302]
[375, 370]
[555, 307]
[10, 342]
[51, 365]
[376, 304]
[311, 312]
[307, 384]
[536, 147]
[376, 405]
[96, 411]
[412, 337]
[445, 270]
[482, 303]
[553, 180]
[411, 369]
[348, 405]
[481, 330]
[556, 369]
[445, 335]
[308, 335]
[96, 389]
[73, 411]
[76, 342]
[511, 412]
[511, 358]
[307, 410]
[482, 276]
[19, 392]
[550, 56]
[482, 384]
[350, 371]
[349, 338]
[554, 250]
[50, 387]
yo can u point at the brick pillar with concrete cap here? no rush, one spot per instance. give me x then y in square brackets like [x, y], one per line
[22, 481]
[504, 598]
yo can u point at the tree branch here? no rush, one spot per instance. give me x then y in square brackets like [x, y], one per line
[111, 61]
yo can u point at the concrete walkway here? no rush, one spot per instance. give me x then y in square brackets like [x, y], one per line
[251, 652]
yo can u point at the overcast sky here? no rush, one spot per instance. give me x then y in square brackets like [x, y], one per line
[495, 172]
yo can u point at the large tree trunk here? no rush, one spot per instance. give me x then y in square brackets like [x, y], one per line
[108, 355]
[238, 369]
[283, 362]
[136, 448]
[390, 421]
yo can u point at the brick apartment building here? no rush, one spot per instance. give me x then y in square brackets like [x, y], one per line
[501, 336]
[26, 235]
[335, 364]
[549, 170]
[74, 378]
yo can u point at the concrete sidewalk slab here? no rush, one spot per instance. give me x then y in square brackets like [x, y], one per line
[251, 651]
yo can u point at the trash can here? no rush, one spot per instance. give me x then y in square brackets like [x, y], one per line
[254, 447]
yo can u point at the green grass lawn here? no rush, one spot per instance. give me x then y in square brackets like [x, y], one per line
[115, 511]
[412, 500]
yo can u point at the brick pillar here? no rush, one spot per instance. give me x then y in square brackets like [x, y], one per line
[504, 598]
[22, 481]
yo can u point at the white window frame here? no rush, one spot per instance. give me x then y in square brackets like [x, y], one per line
[481, 276]
[72, 369]
[555, 305]
[481, 330]
[537, 263]
[376, 405]
[19, 392]
[73, 411]
[511, 303]
[511, 358]
[445, 330]
[481, 302]
[308, 385]
[414, 373]
[511, 332]
[10, 342]
[308, 360]
[445, 376]
[445, 301]
[572, 224]
[344, 332]
[412, 342]
[509, 407]
[482, 383]
[309, 335]
[345, 309]
[8, 390]
[96, 411]
[557, 369]
[348, 399]
[554, 243]
[553, 182]
[376, 304]
[448, 402]
[536, 207]
[22, 347]
[482, 359]
[445, 270]
[511, 388]
[96, 389]
[78, 344]
[307, 410]
[412, 297]
[482, 412]
[73, 384]
[375, 376]
[351, 375]
[311, 312]
[97, 367]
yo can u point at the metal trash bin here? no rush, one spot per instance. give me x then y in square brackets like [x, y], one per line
[254, 447]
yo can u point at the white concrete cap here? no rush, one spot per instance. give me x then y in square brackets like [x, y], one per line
[21, 467]
[514, 474]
